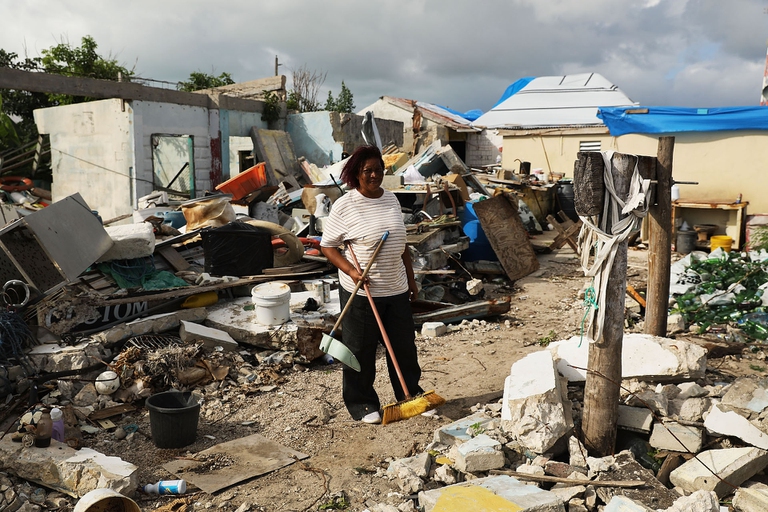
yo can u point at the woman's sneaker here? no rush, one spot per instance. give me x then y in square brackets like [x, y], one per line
[372, 418]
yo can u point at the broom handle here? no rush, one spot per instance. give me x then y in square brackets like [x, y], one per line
[384, 336]
[362, 278]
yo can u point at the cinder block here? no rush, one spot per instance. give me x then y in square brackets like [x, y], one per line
[433, 329]
[733, 465]
[668, 436]
[480, 453]
[636, 419]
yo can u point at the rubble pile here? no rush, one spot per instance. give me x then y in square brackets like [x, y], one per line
[682, 445]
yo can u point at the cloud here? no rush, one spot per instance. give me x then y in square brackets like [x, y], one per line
[452, 52]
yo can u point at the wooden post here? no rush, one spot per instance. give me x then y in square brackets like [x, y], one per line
[660, 235]
[601, 390]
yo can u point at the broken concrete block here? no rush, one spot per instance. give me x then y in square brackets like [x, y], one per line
[534, 411]
[751, 499]
[130, 241]
[693, 409]
[624, 504]
[492, 493]
[669, 436]
[699, 501]
[74, 472]
[474, 286]
[658, 403]
[625, 467]
[561, 469]
[598, 465]
[410, 472]
[643, 356]
[675, 324]
[154, 324]
[732, 464]
[456, 433]
[417, 466]
[636, 419]
[730, 423]
[568, 492]
[748, 393]
[433, 329]
[191, 332]
[691, 390]
[445, 474]
[577, 452]
[86, 396]
[481, 453]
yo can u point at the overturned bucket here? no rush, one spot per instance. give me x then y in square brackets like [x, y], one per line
[173, 417]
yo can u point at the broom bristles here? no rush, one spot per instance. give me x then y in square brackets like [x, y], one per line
[411, 407]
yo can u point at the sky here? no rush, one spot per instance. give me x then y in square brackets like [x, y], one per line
[455, 53]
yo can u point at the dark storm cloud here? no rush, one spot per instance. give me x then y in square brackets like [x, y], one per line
[462, 54]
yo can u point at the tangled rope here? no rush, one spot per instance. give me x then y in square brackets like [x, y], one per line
[606, 244]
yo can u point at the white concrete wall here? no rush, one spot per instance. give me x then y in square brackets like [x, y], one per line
[169, 119]
[92, 153]
[483, 148]
[313, 138]
[236, 145]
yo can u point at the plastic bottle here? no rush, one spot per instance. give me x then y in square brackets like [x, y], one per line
[167, 487]
[675, 192]
[58, 424]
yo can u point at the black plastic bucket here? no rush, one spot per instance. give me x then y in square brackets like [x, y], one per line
[686, 241]
[173, 418]
[565, 199]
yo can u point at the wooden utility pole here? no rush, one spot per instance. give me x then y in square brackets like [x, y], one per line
[601, 390]
[660, 235]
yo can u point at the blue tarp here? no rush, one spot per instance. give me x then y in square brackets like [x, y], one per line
[679, 119]
[514, 88]
[469, 115]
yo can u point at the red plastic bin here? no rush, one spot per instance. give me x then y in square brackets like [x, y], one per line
[245, 182]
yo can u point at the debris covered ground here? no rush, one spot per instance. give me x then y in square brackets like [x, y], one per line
[354, 466]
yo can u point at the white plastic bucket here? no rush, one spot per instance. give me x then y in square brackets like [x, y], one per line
[104, 500]
[273, 301]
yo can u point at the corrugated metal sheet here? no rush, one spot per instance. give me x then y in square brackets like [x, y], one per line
[556, 101]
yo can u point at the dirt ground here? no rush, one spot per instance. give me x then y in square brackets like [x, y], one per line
[305, 412]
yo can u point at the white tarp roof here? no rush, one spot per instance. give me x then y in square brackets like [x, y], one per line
[556, 101]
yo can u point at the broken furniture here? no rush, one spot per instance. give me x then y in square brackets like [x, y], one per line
[568, 232]
[38, 249]
[723, 213]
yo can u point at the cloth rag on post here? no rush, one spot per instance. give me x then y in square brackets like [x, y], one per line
[595, 234]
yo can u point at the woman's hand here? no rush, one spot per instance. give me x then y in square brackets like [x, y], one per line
[356, 276]
[413, 290]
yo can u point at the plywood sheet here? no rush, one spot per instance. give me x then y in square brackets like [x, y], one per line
[243, 458]
[275, 148]
[505, 231]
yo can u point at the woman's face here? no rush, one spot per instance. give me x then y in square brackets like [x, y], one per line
[370, 177]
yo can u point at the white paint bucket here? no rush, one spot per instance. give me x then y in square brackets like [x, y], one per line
[273, 301]
[104, 500]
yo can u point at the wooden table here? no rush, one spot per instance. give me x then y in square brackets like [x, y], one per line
[723, 213]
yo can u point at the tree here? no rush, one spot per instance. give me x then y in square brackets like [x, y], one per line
[62, 59]
[344, 101]
[199, 80]
[304, 90]
[8, 136]
[83, 61]
[330, 103]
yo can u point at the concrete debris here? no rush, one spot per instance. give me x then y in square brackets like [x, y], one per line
[677, 438]
[74, 472]
[130, 241]
[751, 497]
[730, 423]
[460, 431]
[699, 501]
[433, 329]
[636, 419]
[211, 338]
[624, 504]
[733, 467]
[643, 357]
[534, 396]
[480, 453]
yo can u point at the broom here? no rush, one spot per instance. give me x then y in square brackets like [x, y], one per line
[412, 405]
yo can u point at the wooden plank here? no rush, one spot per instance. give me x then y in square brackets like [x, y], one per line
[505, 231]
[275, 148]
[173, 258]
[111, 412]
[565, 235]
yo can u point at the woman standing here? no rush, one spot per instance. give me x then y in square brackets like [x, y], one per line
[360, 218]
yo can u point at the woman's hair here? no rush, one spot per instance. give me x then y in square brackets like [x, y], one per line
[356, 162]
